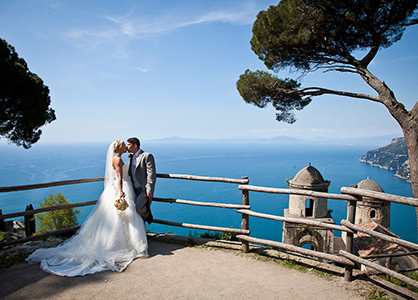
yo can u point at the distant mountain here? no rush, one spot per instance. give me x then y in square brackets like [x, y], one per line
[317, 140]
[391, 157]
[281, 139]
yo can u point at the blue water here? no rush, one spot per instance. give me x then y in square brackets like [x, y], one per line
[266, 164]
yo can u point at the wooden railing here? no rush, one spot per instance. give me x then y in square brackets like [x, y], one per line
[245, 205]
[244, 229]
[47, 185]
[352, 196]
[345, 257]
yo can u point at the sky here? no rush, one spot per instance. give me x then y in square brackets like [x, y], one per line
[163, 68]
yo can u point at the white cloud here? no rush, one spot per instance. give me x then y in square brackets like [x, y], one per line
[92, 38]
[131, 26]
[56, 7]
[142, 69]
[244, 15]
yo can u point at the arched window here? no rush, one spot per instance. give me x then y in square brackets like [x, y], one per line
[372, 214]
[308, 246]
[309, 208]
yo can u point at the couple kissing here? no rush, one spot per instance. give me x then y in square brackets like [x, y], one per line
[110, 238]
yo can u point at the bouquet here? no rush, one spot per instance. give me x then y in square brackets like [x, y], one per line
[121, 204]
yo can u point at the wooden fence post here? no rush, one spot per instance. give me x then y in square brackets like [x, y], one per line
[1, 222]
[30, 225]
[26, 218]
[388, 264]
[245, 224]
[351, 217]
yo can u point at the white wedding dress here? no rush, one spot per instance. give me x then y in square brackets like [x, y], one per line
[109, 239]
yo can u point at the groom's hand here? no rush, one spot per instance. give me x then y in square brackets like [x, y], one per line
[149, 194]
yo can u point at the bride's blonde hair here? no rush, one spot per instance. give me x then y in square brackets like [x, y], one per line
[116, 145]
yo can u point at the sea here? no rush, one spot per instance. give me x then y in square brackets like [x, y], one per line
[267, 164]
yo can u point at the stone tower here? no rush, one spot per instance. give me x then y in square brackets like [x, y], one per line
[313, 208]
[370, 209]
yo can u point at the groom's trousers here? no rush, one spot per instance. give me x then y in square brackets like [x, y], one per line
[143, 205]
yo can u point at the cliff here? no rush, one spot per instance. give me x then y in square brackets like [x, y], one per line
[391, 157]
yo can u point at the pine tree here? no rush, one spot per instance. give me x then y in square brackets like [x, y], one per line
[53, 220]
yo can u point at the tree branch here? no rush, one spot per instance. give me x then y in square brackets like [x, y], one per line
[369, 56]
[410, 23]
[317, 91]
[342, 69]
[332, 66]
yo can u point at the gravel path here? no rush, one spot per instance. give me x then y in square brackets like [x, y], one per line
[179, 272]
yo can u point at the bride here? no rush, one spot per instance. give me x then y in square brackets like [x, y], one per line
[109, 239]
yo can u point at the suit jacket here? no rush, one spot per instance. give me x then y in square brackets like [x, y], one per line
[145, 173]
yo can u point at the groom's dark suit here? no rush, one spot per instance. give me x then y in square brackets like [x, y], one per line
[145, 175]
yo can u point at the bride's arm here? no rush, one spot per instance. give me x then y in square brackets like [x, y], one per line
[117, 164]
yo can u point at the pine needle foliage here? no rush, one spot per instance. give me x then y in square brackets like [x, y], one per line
[24, 100]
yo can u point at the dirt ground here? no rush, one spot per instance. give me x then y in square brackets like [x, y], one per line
[175, 271]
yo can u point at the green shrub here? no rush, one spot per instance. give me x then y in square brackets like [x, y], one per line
[229, 236]
[53, 220]
[4, 235]
[216, 235]
[413, 276]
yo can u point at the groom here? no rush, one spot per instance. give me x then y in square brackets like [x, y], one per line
[143, 175]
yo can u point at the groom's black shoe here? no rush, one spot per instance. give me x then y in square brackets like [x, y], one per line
[150, 218]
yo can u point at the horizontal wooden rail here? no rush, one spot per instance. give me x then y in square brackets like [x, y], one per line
[50, 208]
[399, 254]
[204, 227]
[322, 255]
[210, 204]
[380, 196]
[39, 236]
[375, 266]
[294, 220]
[400, 271]
[297, 192]
[204, 178]
[47, 185]
[380, 235]
[6, 189]
[406, 270]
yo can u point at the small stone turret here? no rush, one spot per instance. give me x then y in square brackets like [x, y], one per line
[372, 209]
[313, 208]
[309, 178]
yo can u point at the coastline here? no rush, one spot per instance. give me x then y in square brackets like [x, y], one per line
[392, 157]
[385, 168]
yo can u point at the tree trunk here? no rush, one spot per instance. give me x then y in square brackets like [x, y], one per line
[408, 121]
[411, 139]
